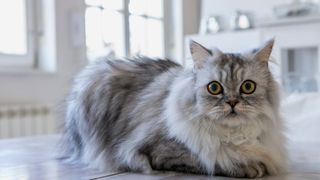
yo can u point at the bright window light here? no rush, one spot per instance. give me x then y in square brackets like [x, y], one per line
[124, 28]
[13, 31]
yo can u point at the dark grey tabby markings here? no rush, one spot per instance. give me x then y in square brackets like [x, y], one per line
[101, 108]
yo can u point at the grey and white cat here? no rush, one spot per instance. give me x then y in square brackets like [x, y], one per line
[145, 115]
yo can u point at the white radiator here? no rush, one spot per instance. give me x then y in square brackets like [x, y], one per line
[26, 120]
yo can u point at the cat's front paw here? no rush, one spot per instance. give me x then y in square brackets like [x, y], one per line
[254, 170]
[251, 170]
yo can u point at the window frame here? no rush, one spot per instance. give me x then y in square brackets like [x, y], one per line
[126, 16]
[29, 59]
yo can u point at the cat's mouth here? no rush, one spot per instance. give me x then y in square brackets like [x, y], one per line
[232, 113]
[232, 118]
[229, 114]
[235, 113]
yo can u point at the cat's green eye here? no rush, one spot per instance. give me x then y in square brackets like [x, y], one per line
[248, 87]
[214, 88]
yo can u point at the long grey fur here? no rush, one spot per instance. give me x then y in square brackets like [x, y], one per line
[145, 115]
[111, 99]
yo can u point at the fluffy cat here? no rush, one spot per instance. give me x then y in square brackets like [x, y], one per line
[144, 115]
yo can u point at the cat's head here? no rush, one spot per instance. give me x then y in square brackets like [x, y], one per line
[233, 89]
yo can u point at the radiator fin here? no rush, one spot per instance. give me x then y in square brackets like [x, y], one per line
[26, 120]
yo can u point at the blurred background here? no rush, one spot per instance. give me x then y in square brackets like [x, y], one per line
[44, 43]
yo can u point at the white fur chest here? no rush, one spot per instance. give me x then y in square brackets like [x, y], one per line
[245, 134]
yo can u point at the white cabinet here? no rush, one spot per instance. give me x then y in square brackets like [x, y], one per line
[297, 54]
[295, 57]
[227, 42]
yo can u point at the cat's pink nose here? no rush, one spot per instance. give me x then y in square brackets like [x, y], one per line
[233, 102]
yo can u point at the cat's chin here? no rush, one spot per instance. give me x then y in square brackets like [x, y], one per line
[232, 122]
[231, 117]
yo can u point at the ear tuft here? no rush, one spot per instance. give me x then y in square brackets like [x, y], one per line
[263, 54]
[199, 54]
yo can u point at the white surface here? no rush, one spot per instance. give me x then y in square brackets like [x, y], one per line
[302, 117]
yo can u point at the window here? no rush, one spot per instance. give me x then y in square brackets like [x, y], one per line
[16, 40]
[124, 28]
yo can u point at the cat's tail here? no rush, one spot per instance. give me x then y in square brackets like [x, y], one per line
[70, 148]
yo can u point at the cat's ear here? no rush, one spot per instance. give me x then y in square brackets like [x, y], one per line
[263, 53]
[199, 54]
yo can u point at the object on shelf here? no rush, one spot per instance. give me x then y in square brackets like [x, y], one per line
[296, 8]
[210, 25]
[241, 20]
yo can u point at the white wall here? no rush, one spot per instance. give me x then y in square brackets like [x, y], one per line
[48, 88]
[185, 20]
[226, 8]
